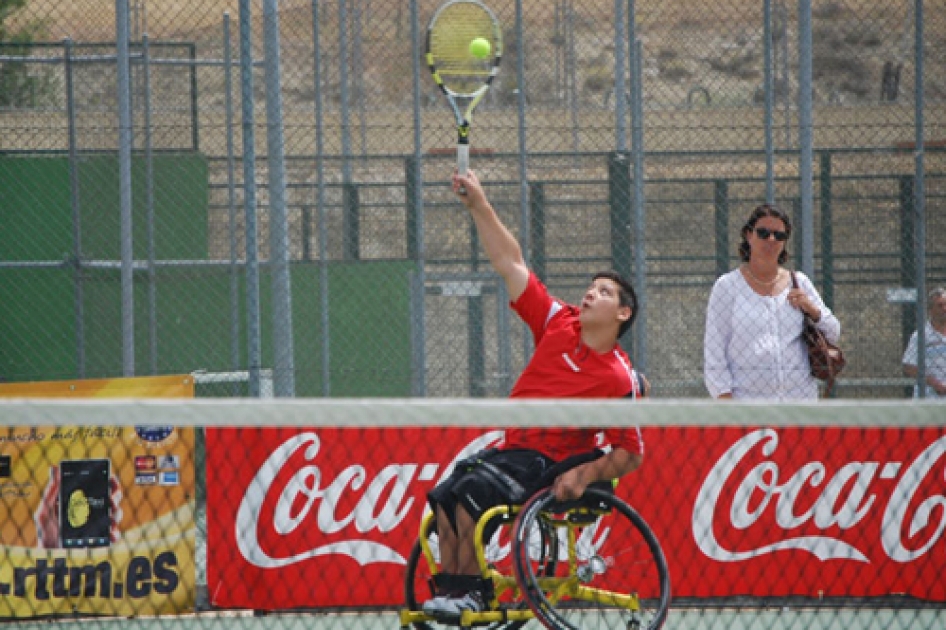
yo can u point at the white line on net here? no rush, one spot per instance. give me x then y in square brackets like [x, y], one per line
[380, 412]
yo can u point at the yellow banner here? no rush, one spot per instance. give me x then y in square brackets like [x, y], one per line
[175, 386]
[97, 519]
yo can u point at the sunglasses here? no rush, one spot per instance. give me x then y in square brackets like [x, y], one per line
[765, 233]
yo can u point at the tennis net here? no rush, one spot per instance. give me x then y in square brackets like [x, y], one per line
[290, 513]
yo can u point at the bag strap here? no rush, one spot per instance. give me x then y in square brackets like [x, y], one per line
[795, 286]
[829, 384]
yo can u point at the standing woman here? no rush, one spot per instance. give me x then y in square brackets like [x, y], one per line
[753, 346]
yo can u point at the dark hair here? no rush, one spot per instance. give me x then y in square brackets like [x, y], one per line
[765, 210]
[626, 297]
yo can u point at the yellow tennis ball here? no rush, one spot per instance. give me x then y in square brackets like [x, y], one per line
[479, 48]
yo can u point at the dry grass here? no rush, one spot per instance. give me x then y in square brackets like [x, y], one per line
[683, 42]
[687, 45]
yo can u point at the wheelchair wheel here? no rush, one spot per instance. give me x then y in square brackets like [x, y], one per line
[614, 575]
[418, 587]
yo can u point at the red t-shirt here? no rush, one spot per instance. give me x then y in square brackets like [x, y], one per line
[563, 367]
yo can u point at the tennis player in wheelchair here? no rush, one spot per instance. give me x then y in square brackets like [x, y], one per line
[577, 355]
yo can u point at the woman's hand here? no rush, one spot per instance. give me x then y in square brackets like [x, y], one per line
[800, 300]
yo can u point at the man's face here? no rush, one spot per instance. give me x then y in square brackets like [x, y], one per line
[938, 310]
[601, 304]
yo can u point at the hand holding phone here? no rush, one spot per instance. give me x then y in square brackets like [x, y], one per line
[80, 506]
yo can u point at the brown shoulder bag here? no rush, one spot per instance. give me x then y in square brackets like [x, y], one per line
[826, 359]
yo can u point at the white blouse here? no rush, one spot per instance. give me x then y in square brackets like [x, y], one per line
[752, 346]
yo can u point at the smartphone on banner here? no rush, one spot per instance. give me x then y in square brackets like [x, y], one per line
[85, 507]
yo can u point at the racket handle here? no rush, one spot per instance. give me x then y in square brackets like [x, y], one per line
[463, 162]
[463, 159]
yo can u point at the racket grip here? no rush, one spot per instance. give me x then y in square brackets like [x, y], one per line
[463, 159]
[463, 162]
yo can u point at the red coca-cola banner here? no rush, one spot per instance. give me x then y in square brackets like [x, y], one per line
[327, 517]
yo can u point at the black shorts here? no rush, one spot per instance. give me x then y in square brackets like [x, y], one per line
[488, 479]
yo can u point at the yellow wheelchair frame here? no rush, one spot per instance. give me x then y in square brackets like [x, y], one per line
[551, 578]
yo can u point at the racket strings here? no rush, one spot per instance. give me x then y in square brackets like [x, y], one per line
[450, 36]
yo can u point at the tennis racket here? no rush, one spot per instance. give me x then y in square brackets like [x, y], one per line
[463, 78]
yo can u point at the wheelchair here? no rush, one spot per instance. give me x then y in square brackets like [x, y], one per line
[589, 563]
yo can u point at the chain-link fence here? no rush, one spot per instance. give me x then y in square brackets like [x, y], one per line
[176, 205]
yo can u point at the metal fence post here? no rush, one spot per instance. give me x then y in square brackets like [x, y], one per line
[639, 203]
[321, 210]
[416, 224]
[411, 205]
[909, 316]
[195, 126]
[350, 221]
[233, 241]
[125, 142]
[75, 203]
[253, 336]
[919, 197]
[343, 88]
[805, 140]
[537, 228]
[476, 348]
[827, 233]
[284, 372]
[619, 202]
[149, 210]
[721, 216]
[769, 97]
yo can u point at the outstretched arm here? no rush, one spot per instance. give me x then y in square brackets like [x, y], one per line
[502, 248]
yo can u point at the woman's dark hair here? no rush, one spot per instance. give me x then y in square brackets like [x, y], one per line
[765, 210]
[626, 297]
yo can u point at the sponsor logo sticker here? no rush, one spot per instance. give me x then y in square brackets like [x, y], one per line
[145, 462]
[154, 434]
[169, 462]
[146, 479]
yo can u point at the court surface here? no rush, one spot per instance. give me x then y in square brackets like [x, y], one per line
[689, 619]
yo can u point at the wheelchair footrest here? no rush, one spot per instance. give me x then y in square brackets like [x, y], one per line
[467, 619]
[451, 583]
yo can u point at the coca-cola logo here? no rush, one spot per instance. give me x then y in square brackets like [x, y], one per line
[844, 500]
[384, 503]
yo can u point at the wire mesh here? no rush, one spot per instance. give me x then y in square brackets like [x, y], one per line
[360, 135]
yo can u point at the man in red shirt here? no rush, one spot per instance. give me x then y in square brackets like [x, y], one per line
[576, 356]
